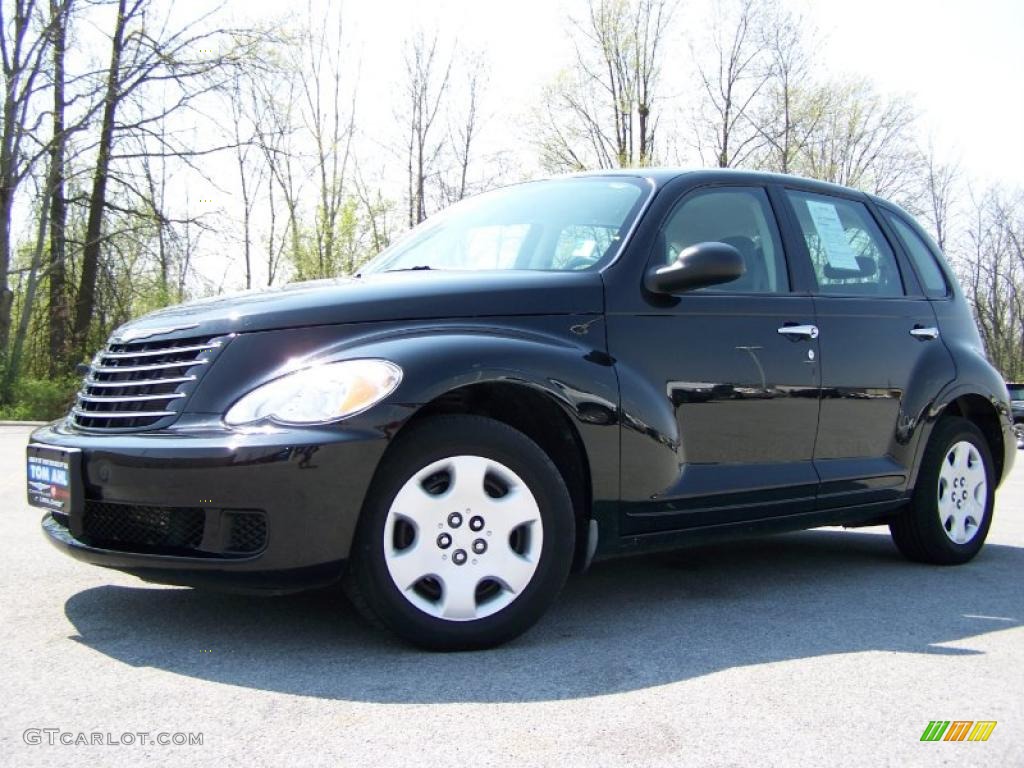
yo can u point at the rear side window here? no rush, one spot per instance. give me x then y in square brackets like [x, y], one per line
[741, 217]
[849, 254]
[935, 286]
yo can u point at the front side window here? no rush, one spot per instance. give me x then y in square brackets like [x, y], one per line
[562, 224]
[924, 260]
[740, 217]
[849, 254]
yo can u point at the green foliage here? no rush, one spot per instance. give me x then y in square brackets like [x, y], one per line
[357, 235]
[40, 399]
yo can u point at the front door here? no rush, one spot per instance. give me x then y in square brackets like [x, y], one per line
[719, 385]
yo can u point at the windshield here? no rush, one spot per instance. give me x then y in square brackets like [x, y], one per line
[562, 224]
[1016, 391]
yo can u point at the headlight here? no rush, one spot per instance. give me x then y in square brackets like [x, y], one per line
[318, 394]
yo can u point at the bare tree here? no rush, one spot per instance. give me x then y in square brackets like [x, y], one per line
[732, 77]
[941, 192]
[250, 162]
[59, 309]
[13, 366]
[991, 268]
[603, 113]
[24, 43]
[427, 80]
[376, 211]
[793, 105]
[331, 128]
[272, 104]
[97, 200]
[463, 133]
[864, 140]
[161, 70]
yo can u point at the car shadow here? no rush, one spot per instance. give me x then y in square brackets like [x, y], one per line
[626, 625]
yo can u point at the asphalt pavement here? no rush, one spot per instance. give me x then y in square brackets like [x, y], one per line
[811, 649]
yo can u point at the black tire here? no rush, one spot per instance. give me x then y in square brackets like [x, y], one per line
[918, 531]
[369, 582]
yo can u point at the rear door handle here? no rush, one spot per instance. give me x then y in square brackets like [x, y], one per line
[924, 333]
[800, 331]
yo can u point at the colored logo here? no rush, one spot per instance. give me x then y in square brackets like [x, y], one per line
[958, 730]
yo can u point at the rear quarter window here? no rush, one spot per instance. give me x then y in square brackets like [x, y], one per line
[934, 281]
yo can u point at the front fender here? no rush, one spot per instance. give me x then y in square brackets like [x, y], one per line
[562, 356]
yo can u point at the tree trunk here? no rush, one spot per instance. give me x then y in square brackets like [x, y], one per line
[14, 361]
[97, 200]
[7, 186]
[59, 310]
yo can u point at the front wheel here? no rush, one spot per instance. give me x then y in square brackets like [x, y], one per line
[466, 537]
[951, 509]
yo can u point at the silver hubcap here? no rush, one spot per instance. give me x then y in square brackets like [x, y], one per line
[463, 537]
[963, 492]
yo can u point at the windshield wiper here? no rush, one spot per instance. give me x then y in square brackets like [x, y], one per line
[410, 269]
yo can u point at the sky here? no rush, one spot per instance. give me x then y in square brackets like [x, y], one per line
[961, 62]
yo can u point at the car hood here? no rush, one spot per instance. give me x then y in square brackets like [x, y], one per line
[413, 295]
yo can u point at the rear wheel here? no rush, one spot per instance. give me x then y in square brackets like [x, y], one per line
[466, 536]
[951, 509]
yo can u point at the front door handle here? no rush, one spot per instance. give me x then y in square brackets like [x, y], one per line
[924, 333]
[800, 331]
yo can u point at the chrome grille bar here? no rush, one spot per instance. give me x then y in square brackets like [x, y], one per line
[153, 367]
[160, 352]
[90, 383]
[127, 398]
[120, 414]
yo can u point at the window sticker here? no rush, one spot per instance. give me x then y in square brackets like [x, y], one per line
[585, 249]
[832, 236]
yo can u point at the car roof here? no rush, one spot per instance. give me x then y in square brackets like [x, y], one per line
[660, 176]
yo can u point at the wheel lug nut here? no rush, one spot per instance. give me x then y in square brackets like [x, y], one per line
[479, 546]
[444, 541]
[454, 519]
[459, 557]
[476, 523]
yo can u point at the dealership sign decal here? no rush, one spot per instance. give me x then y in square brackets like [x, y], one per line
[958, 730]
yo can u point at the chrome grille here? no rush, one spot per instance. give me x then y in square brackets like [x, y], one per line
[137, 385]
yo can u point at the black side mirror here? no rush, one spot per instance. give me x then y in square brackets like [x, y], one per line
[866, 267]
[698, 266]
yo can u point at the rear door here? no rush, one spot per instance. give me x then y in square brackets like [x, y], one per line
[881, 356]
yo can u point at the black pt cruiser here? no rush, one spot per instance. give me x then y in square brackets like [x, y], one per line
[540, 376]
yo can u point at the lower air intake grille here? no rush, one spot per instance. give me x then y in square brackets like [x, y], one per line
[137, 528]
[248, 532]
[173, 530]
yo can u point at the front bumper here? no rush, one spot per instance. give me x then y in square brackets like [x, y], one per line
[308, 485]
